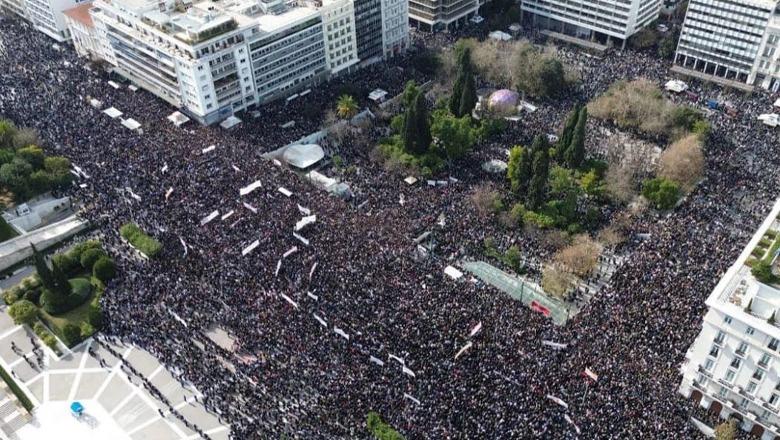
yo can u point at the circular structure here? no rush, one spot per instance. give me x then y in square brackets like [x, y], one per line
[503, 101]
[303, 156]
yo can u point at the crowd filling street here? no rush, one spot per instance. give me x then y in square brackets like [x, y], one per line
[351, 322]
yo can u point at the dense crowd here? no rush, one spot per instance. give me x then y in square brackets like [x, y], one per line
[350, 323]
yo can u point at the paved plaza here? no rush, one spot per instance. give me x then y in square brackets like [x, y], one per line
[116, 405]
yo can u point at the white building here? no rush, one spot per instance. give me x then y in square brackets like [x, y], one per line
[338, 19]
[45, 15]
[733, 366]
[395, 27]
[734, 40]
[82, 31]
[434, 15]
[593, 19]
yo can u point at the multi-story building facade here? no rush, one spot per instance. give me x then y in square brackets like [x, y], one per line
[395, 27]
[368, 28]
[434, 15]
[734, 40]
[46, 15]
[212, 59]
[82, 30]
[733, 366]
[593, 19]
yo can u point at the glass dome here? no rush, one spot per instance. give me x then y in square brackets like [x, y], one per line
[503, 101]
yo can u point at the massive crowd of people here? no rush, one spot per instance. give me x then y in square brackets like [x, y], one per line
[351, 322]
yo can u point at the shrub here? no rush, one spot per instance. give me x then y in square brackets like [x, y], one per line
[762, 270]
[12, 295]
[541, 221]
[140, 240]
[381, 430]
[104, 269]
[90, 256]
[661, 192]
[86, 330]
[50, 341]
[95, 315]
[76, 251]
[23, 312]
[33, 295]
[68, 265]
[683, 162]
[486, 200]
[638, 104]
[71, 333]
[581, 257]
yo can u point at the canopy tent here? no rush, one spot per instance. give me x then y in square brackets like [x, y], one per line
[131, 124]
[96, 103]
[113, 84]
[527, 106]
[112, 112]
[499, 36]
[230, 122]
[303, 156]
[132, 88]
[452, 272]
[178, 118]
[411, 180]
[320, 180]
[770, 119]
[378, 95]
[777, 103]
[676, 86]
[76, 408]
[494, 166]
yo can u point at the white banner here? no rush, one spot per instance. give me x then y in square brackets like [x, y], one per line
[305, 221]
[588, 372]
[568, 419]
[407, 371]
[303, 211]
[250, 248]
[249, 188]
[292, 250]
[558, 401]
[312, 296]
[476, 329]
[164, 168]
[227, 216]
[555, 345]
[184, 245]
[209, 149]
[236, 169]
[320, 320]
[285, 191]
[209, 217]
[376, 361]
[278, 266]
[311, 272]
[400, 361]
[408, 396]
[302, 240]
[250, 207]
[168, 193]
[462, 350]
[289, 300]
[341, 333]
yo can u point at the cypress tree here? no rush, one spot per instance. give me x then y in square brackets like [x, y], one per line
[468, 99]
[566, 135]
[62, 286]
[519, 170]
[575, 154]
[540, 169]
[464, 71]
[43, 270]
[410, 125]
[417, 129]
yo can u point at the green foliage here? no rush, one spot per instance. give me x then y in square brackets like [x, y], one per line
[454, 136]
[417, 131]
[668, 45]
[75, 252]
[541, 221]
[518, 170]
[11, 295]
[95, 314]
[564, 140]
[6, 231]
[513, 257]
[762, 270]
[468, 99]
[44, 274]
[6, 156]
[86, 330]
[490, 127]
[15, 175]
[662, 193]
[140, 240]
[726, 430]
[464, 91]
[381, 430]
[21, 395]
[72, 334]
[23, 312]
[7, 133]
[90, 256]
[540, 166]
[410, 93]
[575, 152]
[104, 269]
[68, 265]
[591, 184]
[33, 155]
[426, 62]
[46, 336]
[346, 107]
[539, 74]
[397, 123]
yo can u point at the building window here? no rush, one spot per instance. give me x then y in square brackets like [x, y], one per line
[730, 376]
[764, 361]
[719, 339]
[708, 364]
[727, 319]
[742, 348]
[723, 392]
[751, 388]
[758, 374]
[773, 344]
[750, 331]
[714, 351]
[735, 363]
[773, 399]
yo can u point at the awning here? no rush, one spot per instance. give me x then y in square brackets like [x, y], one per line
[303, 156]
[113, 84]
[676, 86]
[95, 103]
[452, 272]
[378, 95]
[411, 180]
[230, 122]
[178, 118]
[770, 119]
[499, 36]
[112, 112]
[131, 123]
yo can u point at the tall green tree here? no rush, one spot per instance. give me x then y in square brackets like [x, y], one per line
[468, 99]
[61, 283]
[417, 129]
[518, 170]
[464, 71]
[410, 92]
[7, 132]
[566, 135]
[454, 136]
[540, 169]
[43, 270]
[575, 154]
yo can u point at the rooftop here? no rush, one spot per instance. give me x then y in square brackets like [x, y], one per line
[80, 14]
[751, 286]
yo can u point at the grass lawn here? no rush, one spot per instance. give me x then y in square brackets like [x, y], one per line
[79, 314]
[6, 231]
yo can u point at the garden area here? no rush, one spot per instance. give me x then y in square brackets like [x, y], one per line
[25, 171]
[63, 299]
[148, 246]
[379, 429]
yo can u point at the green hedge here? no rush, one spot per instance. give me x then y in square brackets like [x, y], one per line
[6, 231]
[140, 240]
[23, 399]
[381, 430]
